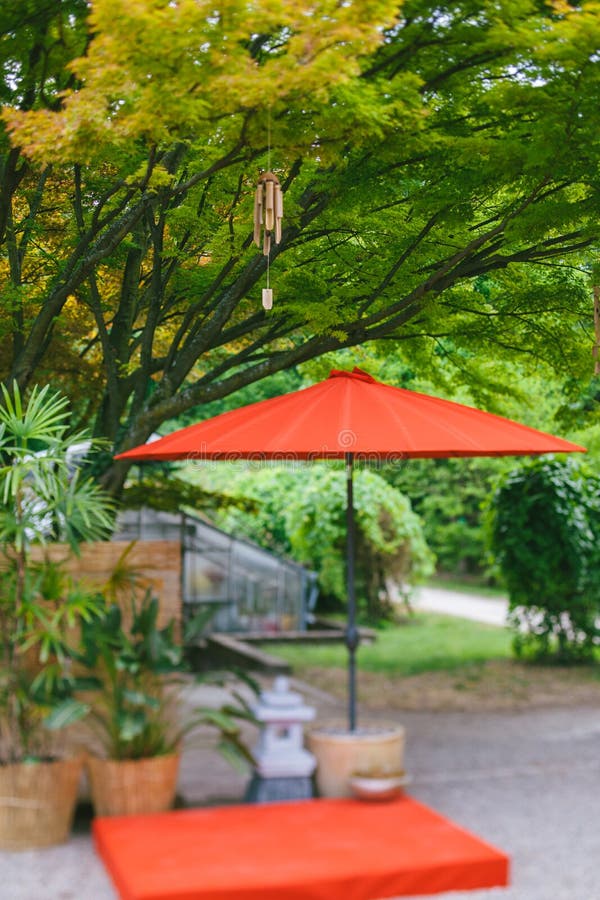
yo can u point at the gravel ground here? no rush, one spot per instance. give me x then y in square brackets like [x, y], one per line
[526, 781]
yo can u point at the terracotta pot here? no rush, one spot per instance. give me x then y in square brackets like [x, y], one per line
[340, 753]
[122, 787]
[37, 802]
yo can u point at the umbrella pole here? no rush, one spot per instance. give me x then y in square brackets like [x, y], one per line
[352, 636]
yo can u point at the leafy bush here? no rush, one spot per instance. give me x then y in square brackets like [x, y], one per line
[542, 523]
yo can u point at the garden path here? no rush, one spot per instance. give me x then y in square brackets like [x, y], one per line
[489, 610]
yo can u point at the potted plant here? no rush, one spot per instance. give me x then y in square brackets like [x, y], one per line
[43, 499]
[138, 669]
[340, 753]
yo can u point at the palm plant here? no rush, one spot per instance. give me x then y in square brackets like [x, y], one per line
[132, 664]
[137, 669]
[44, 499]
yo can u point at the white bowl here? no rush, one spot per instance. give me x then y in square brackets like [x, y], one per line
[380, 787]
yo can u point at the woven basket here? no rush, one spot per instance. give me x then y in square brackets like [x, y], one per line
[122, 787]
[37, 803]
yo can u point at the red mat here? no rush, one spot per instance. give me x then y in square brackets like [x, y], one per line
[307, 850]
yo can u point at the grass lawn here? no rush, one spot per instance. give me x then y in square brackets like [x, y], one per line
[427, 643]
[437, 662]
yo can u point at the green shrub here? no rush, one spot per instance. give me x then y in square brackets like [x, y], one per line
[542, 523]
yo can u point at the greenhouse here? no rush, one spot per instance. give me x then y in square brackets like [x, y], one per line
[250, 589]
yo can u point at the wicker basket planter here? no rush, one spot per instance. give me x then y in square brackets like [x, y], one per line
[37, 803]
[121, 787]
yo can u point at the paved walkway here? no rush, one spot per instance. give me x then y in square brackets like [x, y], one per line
[527, 782]
[490, 610]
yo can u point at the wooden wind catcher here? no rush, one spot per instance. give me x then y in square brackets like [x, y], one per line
[268, 211]
[268, 215]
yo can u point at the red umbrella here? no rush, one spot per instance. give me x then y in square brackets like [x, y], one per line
[351, 416]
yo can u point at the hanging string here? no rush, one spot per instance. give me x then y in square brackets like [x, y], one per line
[268, 170]
[268, 138]
[268, 271]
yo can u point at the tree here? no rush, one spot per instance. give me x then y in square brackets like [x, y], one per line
[448, 495]
[439, 165]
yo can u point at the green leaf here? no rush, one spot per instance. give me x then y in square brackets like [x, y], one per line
[66, 713]
[236, 755]
[131, 725]
[138, 698]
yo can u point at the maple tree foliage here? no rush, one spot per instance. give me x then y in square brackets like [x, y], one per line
[439, 163]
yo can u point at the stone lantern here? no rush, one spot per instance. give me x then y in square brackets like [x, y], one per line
[283, 767]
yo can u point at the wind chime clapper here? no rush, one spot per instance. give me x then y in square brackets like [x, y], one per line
[268, 214]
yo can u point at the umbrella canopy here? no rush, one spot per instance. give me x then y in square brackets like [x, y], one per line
[351, 412]
[351, 416]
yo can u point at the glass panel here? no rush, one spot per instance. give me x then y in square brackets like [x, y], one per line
[250, 589]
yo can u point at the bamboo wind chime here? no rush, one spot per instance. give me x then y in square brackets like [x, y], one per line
[268, 213]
